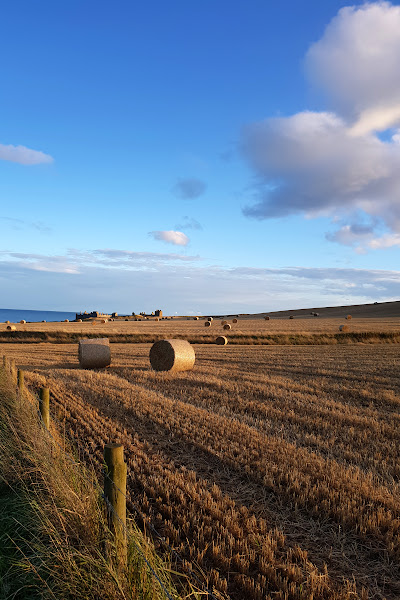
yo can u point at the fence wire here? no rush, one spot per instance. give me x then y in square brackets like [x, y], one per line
[173, 552]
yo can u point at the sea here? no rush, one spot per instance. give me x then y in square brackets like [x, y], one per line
[34, 316]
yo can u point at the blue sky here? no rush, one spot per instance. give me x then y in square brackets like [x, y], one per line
[199, 157]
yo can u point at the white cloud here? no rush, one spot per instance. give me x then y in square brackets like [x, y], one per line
[178, 238]
[334, 163]
[356, 63]
[386, 241]
[23, 155]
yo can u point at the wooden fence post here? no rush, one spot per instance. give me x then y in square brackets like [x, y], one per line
[115, 494]
[20, 380]
[44, 406]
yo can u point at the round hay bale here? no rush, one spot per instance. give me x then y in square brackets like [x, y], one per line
[349, 317]
[234, 320]
[210, 319]
[224, 322]
[94, 354]
[11, 328]
[221, 340]
[343, 328]
[291, 317]
[22, 322]
[207, 324]
[104, 321]
[66, 320]
[126, 319]
[266, 318]
[227, 327]
[79, 320]
[156, 319]
[172, 355]
[195, 318]
[93, 322]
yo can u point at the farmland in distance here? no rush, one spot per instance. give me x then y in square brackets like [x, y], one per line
[272, 469]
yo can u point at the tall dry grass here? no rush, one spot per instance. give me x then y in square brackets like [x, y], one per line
[53, 528]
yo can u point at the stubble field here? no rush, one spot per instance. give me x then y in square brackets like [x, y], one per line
[272, 469]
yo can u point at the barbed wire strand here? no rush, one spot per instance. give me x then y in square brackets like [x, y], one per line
[139, 512]
[174, 552]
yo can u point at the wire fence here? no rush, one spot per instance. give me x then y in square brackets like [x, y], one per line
[209, 595]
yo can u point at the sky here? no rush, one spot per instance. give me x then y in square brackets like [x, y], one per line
[199, 157]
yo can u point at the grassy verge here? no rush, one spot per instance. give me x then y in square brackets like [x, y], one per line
[52, 527]
[286, 339]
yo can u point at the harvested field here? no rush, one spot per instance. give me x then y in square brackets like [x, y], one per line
[247, 331]
[274, 469]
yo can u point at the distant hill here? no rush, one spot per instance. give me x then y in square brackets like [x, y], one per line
[375, 310]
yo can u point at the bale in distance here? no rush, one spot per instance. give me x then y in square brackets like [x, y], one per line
[221, 340]
[291, 317]
[11, 328]
[224, 322]
[43, 321]
[156, 319]
[234, 320]
[343, 328]
[22, 322]
[266, 318]
[207, 324]
[79, 320]
[95, 353]
[195, 318]
[210, 319]
[7, 322]
[104, 321]
[66, 320]
[349, 317]
[93, 322]
[227, 327]
[172, 356]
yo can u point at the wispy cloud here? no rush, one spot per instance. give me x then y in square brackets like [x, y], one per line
[178, 238]
[23, 155]
[334, 162]
[19, 224]
[111, 278]
[189, 188]
[189, 223]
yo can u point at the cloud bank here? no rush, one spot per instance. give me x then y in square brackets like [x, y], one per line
[113, 279]
[23, 155]
[343, 162]
[178, 238]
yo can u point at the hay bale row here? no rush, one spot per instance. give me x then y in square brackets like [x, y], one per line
[95, 353]
[172, 356]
